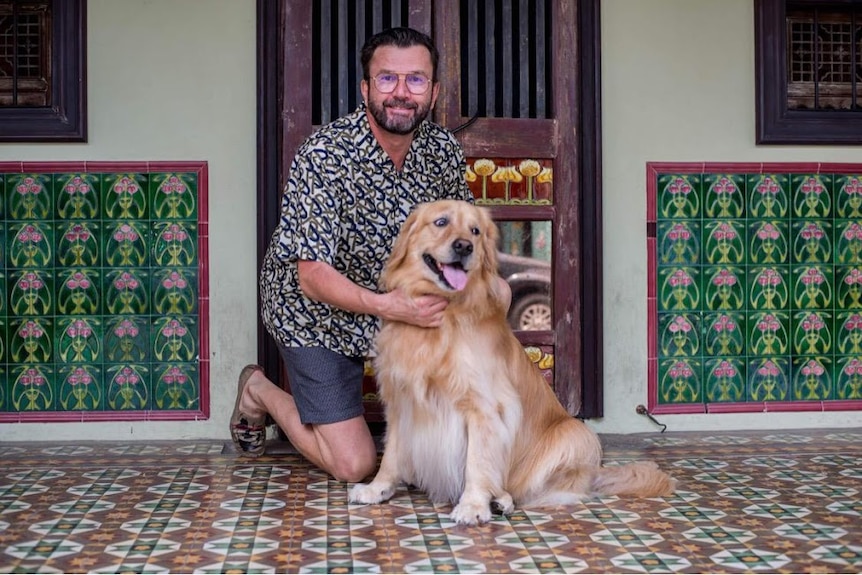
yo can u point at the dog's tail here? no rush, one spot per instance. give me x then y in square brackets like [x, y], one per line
[638, 479]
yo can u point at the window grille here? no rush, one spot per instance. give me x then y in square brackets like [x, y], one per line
[339, 29]
[25, 71]
[504, 50]
[505, 59]
[824, 58]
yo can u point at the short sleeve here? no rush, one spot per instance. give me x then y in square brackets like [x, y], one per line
[312, 207]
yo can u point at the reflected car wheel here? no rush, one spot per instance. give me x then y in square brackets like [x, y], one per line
[531, 313]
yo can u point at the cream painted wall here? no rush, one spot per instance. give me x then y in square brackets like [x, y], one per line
[175, 80]
[677, 85]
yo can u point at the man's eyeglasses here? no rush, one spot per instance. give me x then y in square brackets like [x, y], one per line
[417, 84]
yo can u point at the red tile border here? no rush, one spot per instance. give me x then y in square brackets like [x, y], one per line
[652, 327]
[115, 416]
[842, 405]
[11, 167]
[652, 268]
[652, 376]
[752, 407]
[684, 408]
[53, 167]
[127, 166]
[774, 406]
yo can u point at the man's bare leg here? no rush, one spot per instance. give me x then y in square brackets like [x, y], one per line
[344, 449]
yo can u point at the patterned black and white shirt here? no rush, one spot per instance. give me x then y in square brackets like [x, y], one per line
[344, 204]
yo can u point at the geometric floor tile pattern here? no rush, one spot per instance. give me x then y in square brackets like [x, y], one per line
[748, 502]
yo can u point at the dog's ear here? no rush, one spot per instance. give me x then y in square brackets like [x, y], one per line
[399, 251]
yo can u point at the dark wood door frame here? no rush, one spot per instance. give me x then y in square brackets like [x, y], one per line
[270, 172]
[273, 114]
[590, 208]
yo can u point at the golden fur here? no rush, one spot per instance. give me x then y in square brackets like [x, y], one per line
[469, 417]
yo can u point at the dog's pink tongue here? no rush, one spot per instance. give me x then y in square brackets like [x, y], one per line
[456, 277]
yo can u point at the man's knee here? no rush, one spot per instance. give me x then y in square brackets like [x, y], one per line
[347, 449]
[354, 468]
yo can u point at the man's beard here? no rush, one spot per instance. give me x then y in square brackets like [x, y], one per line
[401, 125]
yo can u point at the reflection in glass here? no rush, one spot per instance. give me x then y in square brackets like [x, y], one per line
[525, 263]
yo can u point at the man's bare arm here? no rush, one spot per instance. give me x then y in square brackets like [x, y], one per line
[320, 281]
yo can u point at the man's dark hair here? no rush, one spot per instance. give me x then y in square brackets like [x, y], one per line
[402, 38]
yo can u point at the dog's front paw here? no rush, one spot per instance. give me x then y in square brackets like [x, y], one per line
[369, 493]
[503, 505]
[471, 513]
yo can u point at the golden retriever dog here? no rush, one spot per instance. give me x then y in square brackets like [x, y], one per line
[470, 419]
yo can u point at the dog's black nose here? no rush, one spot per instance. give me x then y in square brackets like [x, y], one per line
[462, 247]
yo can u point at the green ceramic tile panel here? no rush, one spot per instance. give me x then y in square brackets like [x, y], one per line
[78, 243]
[127, 386]
[127, 291]
[724, 196]
[77, 196]
[124, 196]
[173, 290]
[758, 287]
[680, 241]
[848, 377]
[126, 244]
[680, 381]
[725, 379]
[724, 333]
[99, 279]
[768, 379]
[173, 196]
[175, 387]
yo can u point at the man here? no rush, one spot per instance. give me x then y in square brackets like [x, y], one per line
[351, 186]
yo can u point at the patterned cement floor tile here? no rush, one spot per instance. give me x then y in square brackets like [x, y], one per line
[770, 502]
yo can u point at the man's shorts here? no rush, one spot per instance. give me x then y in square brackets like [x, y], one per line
[327, 386]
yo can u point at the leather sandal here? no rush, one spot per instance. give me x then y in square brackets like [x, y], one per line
[248, 434]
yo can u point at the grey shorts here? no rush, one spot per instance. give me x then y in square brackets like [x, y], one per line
[326, 385]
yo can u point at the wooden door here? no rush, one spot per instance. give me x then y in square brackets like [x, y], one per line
[509, 73]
